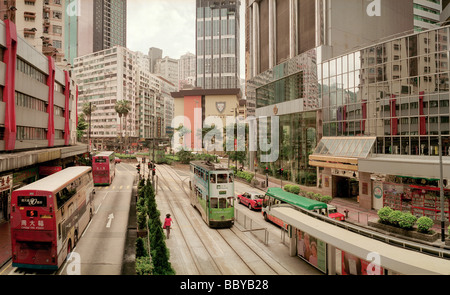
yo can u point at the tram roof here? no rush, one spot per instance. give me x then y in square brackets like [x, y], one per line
[208, 166]
[403, 261]
[58, 180]
[295, 200]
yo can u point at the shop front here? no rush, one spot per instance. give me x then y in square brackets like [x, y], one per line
[409, 184]
[419, 196]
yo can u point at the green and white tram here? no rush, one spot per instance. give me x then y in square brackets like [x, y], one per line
[212, 193]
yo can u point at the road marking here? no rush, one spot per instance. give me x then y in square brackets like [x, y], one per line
[6, 268]
[96, 211]
[110, 218]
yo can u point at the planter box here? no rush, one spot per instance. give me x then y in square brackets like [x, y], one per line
[414, 234]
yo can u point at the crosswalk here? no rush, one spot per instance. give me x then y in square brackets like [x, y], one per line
[113, 187]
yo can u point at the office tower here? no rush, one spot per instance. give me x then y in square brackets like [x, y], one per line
[110, 28]
[217, 44]
[102, 24]
[294, 52]
[154, 54]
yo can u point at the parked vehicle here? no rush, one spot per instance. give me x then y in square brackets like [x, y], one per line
[251, 200]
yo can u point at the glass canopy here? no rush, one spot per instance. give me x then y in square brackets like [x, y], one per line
[351, 147]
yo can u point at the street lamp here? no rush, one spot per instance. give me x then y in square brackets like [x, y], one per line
[441, 186]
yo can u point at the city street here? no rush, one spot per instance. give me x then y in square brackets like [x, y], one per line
[100, 249]
[196, 249]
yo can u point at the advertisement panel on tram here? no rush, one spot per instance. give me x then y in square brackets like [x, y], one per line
[312, 250]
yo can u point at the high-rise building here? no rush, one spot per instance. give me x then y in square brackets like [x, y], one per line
[217, 44]
[167, 68]
[186, 70]
[40, 23]
[116, 74]
[294, 50]
[110, 24]
[427, 14]
[102, 24]
[154, 54]
[104, 78]
[445, 13]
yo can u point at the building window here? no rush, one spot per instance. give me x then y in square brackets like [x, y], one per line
[27, 101]
[31, 71]
[31, 133]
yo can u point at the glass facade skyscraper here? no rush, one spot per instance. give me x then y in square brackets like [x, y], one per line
[217, 44]
[396, 91]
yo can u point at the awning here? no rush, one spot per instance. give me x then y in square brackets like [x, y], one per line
[341, 152]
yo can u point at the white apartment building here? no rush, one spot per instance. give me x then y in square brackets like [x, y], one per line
[40, 23]
[104, 78]
[115, 74]
[145, 105]
[167, 68]
[427, 14]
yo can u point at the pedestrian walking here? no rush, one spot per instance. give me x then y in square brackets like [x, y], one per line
[167, 225]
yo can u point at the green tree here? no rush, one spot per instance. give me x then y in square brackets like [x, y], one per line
[140, 248]
[240, 155]
[122, 108]
[81, 127]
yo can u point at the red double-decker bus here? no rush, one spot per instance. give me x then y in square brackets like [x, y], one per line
[49, 216]
[103, 168]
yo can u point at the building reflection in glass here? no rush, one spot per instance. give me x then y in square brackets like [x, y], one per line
[397, 91]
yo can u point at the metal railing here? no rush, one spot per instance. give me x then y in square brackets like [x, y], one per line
[247, 223]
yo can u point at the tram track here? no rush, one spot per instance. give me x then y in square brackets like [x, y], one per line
[192, 228]
[254, 258]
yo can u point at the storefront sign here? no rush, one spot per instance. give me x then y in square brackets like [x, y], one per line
[378, 191]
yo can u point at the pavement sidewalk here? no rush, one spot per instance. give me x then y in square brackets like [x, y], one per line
[5, 243]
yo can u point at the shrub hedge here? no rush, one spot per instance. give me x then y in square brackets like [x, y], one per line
[424, 224]
[404, 220]
[159, 263]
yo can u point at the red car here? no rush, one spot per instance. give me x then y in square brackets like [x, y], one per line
[117, 161]
[251, 200]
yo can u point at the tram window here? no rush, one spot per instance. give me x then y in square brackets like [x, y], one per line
[222, 178]
[214, 203]
[212, 178]
[222, 203]
[230, 179]
[230, 202]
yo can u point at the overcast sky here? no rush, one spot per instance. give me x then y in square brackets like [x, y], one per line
[165, 24]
